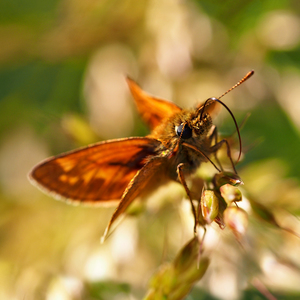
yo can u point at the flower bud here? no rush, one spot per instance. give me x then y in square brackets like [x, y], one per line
[209, 205]
[230, 193]
[226, 178]
[237, 220]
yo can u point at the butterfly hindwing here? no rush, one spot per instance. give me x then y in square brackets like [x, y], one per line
[147, 177]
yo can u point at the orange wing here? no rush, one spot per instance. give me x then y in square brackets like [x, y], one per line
[152, 110]
[100, 172]
[151, 173]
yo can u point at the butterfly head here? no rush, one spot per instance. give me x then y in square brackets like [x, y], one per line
[194, 127]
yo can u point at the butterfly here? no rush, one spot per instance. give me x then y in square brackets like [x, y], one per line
[123, 169]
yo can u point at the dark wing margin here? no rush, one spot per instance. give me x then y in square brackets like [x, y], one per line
[97, 173]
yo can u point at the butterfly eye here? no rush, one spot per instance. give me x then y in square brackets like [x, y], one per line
[184, 131]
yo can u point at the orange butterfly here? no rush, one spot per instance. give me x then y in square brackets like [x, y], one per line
[123, 169]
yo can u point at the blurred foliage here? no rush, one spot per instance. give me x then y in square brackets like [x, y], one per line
[173, 281]
[62, 68]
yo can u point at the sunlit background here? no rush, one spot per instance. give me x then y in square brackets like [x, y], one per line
[62, 85]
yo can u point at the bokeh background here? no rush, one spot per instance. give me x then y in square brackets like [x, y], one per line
[62, 85]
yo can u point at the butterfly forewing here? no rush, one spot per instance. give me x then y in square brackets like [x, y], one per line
[100, 172]
[152, 110]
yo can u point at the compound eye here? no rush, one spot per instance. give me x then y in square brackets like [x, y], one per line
[184, 131]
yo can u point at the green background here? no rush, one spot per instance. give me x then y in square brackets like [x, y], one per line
[59, 58]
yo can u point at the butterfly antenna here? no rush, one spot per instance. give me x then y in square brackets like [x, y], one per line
[247, 76]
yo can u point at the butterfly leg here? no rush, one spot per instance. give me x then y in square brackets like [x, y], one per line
[218, 145]
[214, 136]
[188, 192]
